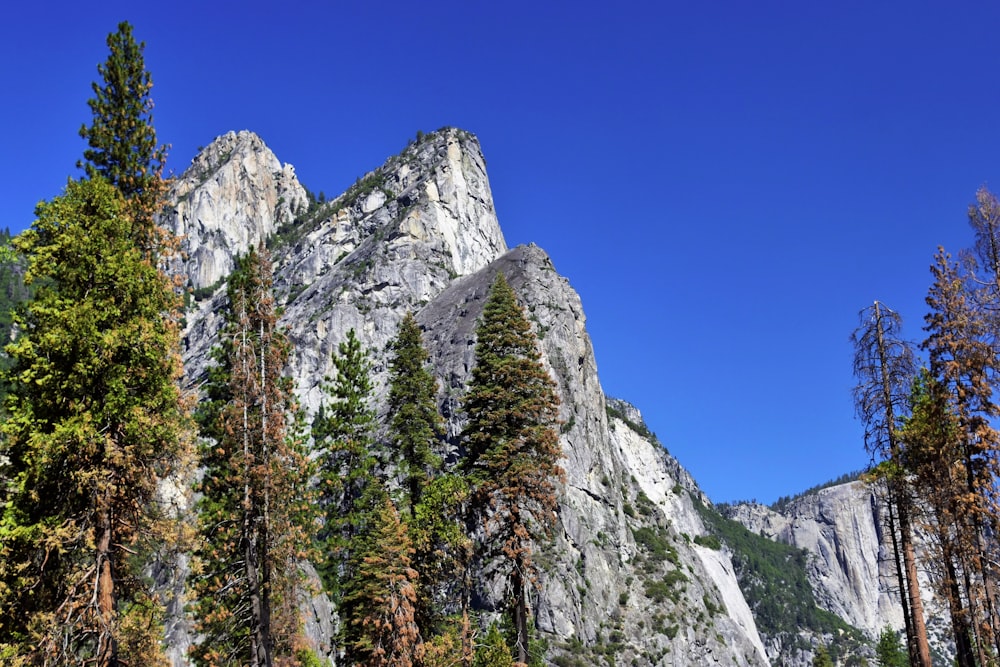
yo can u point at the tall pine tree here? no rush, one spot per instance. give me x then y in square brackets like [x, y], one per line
[512, 449]
[254, 516]
[96, 420]
[121, 138]
[379, 603]
[964, 363]
[884, 367]
[415, 425]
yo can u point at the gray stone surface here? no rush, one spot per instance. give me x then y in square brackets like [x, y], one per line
[420, 233]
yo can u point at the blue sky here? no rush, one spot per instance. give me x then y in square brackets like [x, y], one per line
[725, 183]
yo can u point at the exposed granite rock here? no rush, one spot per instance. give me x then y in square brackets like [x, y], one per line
[851, 567]
[420, 233]
[234, 194]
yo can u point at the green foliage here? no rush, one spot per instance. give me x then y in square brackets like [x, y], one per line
[655, 542]
[121, 138]
[493, 651]
[821, 657]
[415, 426]
[708, 541]
[343, 432]
[95, 421]
[889, 651]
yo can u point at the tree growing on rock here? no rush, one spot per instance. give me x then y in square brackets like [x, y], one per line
[512, 450]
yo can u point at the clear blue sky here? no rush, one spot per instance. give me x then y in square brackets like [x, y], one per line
[725, 183]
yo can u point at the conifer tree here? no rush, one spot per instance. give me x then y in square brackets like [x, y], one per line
[379, 602]
[964, 364]
[121, 138]
[254, 516]
[932, 454]
[343, 432]
[884, 366]
[415, 425]
[512, 449]
[96, 420]
[888, 652]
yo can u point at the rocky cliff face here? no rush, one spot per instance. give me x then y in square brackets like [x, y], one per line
[625, 577]
[844, 528]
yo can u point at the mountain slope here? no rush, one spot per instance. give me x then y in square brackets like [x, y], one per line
[625, 578]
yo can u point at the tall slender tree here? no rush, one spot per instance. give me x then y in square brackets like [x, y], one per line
[415, 424]
[343, 434]
[96, 420]
[380, 601]
[885, 368]
[512, 449]
[964, 363]
[122, 140]
[930, 434]
[254, 517]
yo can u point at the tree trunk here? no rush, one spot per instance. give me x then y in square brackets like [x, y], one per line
[923, 649]
[964, 652]
[107, 647]
[892, 494]
[520, 613]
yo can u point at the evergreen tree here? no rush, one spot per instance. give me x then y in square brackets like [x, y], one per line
[379, 602]
[888, 651]
[122, 140]
[884, 366]
[493, 652]
[415, 425]
[821, 658]
[512, 448]
[254, 515]
[964, 363]
[343, 432]
[96, 420]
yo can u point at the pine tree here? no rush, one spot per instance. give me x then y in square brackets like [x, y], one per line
[888, 652]
[415, 425]
[123, 148]
[932, 455]
[379, 609]
[964, 364]
[343, 432]
[254, 516]
[493, 652]
[884, 366]
[96, 420]
[512, 448]
[821, 658]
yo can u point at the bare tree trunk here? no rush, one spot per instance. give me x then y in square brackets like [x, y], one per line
[107, 647]
[964, 651]
[920, 654]
[520, 613]
[897, 561]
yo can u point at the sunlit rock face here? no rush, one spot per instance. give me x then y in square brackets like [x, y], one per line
[622, 574]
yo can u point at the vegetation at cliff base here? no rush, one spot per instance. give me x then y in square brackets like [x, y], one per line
[774, 582]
